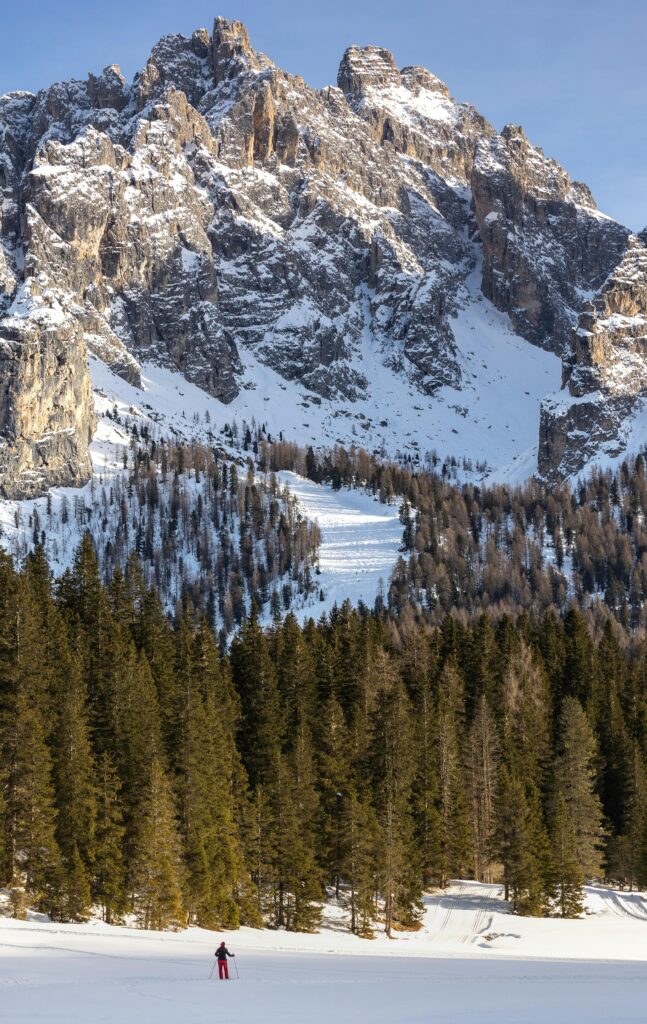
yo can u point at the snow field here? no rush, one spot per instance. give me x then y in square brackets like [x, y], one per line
[451, 972]
[360, 540]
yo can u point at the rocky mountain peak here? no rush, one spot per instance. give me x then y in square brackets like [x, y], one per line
[231, 50]
[411, 111]
[219, 207]
[416, 79]
[364, 68]
[514, 133]
[109, 89]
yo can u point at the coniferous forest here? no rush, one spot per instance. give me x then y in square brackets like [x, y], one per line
[147, 768]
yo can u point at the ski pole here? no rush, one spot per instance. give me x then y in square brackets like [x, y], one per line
[236, 966]
[212, 970]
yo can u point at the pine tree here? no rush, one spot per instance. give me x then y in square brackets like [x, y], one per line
[392, 770]
[309, 889]
[207, 763]
[526, 717]
[261, 728]
[74, 786]
[96, 637]
[574, 781]
[483, 770]
[579, 671]
[295, 675]
[297, 886]
[74, 889]
[156, 867]
[456, 855]
[160, 646]
[427, 823]
[34, 856]
[538, 881]
[569, 879]
[137, 736]
[361, 861]
[523, 847]
[108, 868]
[261, 846]
[334, 777]
[608, 720]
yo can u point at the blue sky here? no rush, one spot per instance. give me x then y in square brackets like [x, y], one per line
[571, 71]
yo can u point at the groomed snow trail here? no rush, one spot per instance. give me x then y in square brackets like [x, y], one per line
[360, 541]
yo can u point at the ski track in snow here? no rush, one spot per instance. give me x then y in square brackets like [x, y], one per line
[471, 962]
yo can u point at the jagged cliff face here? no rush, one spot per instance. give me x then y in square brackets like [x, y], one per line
[544, 242]
[605, 374]
[46, 411]
[218, 205]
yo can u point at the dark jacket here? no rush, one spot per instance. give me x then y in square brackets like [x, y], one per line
[222, 953]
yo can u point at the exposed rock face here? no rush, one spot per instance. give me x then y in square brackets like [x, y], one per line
[412, 111]
[231, 51]
[109, 90]
[544, 242]
[218, 205]
[46, 411]
[605, 376]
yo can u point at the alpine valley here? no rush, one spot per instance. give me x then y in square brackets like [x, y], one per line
[323, 555]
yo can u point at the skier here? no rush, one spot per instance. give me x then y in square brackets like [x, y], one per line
[222, 953]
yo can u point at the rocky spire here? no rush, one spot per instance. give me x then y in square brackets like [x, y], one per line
[231, 50]
[109, 89]
[366, 67]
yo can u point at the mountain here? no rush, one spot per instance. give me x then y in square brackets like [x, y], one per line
[408, 277]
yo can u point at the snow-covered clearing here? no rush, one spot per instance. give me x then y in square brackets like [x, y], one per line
[360, 539]
[470, 963]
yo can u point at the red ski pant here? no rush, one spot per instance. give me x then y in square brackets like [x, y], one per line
[223, 969]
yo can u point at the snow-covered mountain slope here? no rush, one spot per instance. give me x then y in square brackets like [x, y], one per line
[537, 970]
[360, 537]
[219, 218]
[359, 541]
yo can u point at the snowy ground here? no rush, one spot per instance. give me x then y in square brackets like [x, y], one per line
[471, 963]
[360, 539]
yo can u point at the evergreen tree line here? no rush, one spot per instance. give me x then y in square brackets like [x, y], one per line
[144, 770]
[205, 530]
